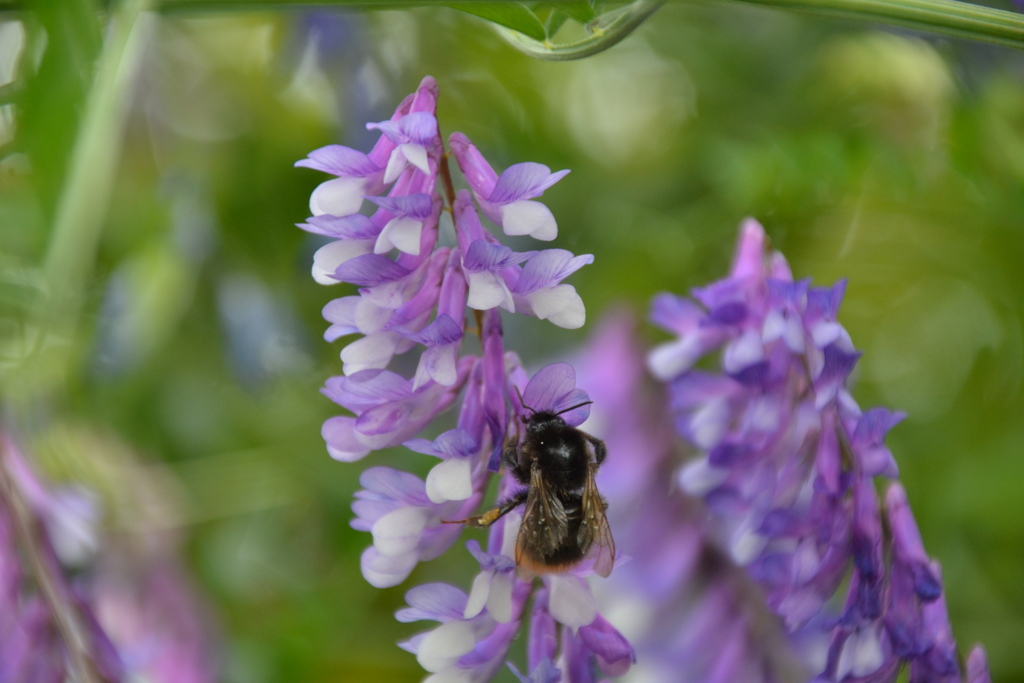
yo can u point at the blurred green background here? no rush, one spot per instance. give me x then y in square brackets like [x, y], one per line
[891, 158]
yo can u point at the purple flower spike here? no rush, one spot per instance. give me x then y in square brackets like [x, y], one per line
[786, 468]
[415, 295]
[553, 389]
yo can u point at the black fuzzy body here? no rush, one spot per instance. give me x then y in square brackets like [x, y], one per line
[564, 457]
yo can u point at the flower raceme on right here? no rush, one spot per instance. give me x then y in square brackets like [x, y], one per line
[787, 471]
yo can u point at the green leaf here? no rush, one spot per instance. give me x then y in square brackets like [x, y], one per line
[605, 31]
[554, 22]
[580, 10]
[513, 15]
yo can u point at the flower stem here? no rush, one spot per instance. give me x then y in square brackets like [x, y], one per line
[951, 17]
[43, 570]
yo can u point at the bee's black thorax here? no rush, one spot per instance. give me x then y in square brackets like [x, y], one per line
[559, 450]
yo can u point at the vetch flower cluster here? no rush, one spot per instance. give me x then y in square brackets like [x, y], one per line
[788, 465]
[691, 613]
[414, 294]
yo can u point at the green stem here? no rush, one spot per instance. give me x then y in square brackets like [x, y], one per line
[85, 197]
[950, 17]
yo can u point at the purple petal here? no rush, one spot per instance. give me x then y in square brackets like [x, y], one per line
[340, 435]
[370, 270]
[545, 672]
[443, 330]
[614, 653]
[390, 484]
[750, 251]
[541, 641]
[363, 390]
[524, 181]
[837, 367]
[414, 205]
[907, 545]
[675, 314]
[419, 127]
[341, 161]
[730, 313]
[352, 227]
[483, 255]
[453, 443]
[489, 562]
[436, 601]
[977, 666]
[823, 303]
[549, 387]
[478, 173]
[548, 268]
[868, 441]
[384, 419]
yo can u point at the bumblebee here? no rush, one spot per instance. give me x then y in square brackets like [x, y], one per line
[564, 520]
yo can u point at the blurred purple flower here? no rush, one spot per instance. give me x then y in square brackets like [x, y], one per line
[130, 617]
[421, 297]
[787, 469]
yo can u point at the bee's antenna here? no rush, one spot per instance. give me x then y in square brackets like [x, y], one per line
[578, 405]
[521, 402]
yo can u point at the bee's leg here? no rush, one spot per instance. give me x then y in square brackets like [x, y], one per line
[494, 514]
[600, 450]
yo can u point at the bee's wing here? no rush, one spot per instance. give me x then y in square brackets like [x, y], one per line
[545, 525]
[595, 536]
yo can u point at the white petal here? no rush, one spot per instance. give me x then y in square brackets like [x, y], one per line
[824, 334]
[338, 197]
[478, 595]
[709, 423]
[805, 561]
[488, 290]
[369, 317]
[452, 674]
[328, 257]
[384, 572]
[510, 534]
[525, 217]
[699, 477]
[398, 532]
[559, 304]
[668, 360]
[861, 654]
[774, 326]
[571, 602]
[743, 352]
[747, 544]
[371, 352]
[794, 334]
[396, 164]
[417, 156]
[445, 644]
[403, 233]
[450, 481]
[499, 602]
